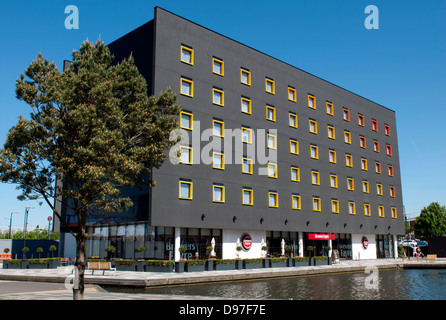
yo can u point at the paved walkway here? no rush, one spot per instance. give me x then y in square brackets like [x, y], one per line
[62, 277]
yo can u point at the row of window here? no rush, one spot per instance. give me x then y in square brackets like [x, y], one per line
[218, 196]
[187, 86]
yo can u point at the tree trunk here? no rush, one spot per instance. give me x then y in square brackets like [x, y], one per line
[78, 288]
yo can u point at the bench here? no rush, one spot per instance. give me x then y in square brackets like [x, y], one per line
[5, 256]
[101, 266]
[431, 257]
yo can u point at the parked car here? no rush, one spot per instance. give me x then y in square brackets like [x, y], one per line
[421, 243]
[409, 243]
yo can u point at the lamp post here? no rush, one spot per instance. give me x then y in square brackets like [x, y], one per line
[25, 225]
[10, 224]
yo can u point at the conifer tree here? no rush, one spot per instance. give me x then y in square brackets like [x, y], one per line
[92, 126]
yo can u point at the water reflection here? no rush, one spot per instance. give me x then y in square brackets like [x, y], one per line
[391, 285]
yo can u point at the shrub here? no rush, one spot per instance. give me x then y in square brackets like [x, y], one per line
[162, 263]
[300, 259]
[37, 261]
[278, 259]
[15, 261]
[194, 262]
[224, 261]
[126, 262]
[320, 258]
[253, 260]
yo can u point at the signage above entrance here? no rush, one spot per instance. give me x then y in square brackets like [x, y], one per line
[321, 236]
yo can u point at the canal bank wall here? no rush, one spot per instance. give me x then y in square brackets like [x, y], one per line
[156, 279]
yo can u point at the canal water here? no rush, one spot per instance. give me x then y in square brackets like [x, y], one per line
[410, 284]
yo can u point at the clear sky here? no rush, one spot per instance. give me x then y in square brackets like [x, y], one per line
[401, 65]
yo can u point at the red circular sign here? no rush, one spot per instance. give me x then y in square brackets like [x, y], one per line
[49, 218]
[246, 242]
[365, 242]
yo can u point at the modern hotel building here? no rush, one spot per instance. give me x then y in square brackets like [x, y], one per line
[271, 154]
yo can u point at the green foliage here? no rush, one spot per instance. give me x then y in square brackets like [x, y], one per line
[300, 259]
[320, 258]
[162, 263]
[253, 260]
[37, 261]
[15, 261]
[224, 261]
[6, 250]
[195, 262]
[431, 222]
[274, 260]
[126, 262]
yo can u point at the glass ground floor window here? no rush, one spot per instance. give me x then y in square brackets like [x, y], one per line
[384, 246]
[197, 241]
[343, 243]
[274, 242]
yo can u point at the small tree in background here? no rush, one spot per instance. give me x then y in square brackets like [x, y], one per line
[93, 127]
[431, 222]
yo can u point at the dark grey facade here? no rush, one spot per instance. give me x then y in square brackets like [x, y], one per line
[157, 48]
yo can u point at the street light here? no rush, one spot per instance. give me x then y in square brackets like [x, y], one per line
[25, 225]
[10, 224]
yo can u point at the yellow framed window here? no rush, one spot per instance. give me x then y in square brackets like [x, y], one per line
[350, 184]
[311, 101]
[381, 212]
[347, 137]
[314, 152]
[186, 155]
[295, 202]
[390, 171]
[378, 167]
[247, 165]
[317, 204]
[315, 178]
[375, 146]
[365, 187]
[245, 105]
[185, 190]
[349, 160]
[272, 170]
[379, 189]
[247, 197]
[270, 113]
[273, 199]
[218, 97]
[333, 181]
[218, 193]
[292, 95]
[362, 143]
[187, 55]
[332, 156]
[392, 192]
[367, 210]
[364, 165]
[295, 174]
[360, 120]
[270, 86]
[246, 135]
[351, 207]
[218, 128]
[393, 213]
[292, 120]
[245, 77]
[218, 160]
[218, 67]
[345, 114]
[329, 108]
[331, 132]
[294, 146]
[312, 124]
[334, 206]
[187, 87]
[186, 120]
[271, 141]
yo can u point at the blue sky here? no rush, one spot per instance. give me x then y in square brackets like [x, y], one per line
[402, 65]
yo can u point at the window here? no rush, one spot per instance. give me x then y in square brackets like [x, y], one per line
[247, 165]
[389, 150]
[334, 206]
[218, 128]
[351, 208]
[390, 171]
[271, 141]
[294, 147]
[329, 108]
[381, 211]
[333, 181]
[245, 105]
[317, 204]
[374, 125]
[349, 160]
[295, 174]
[270, 113]
[377, 167]
[367, 211]
[187, 87]
[218, 161]
[392, 191]
[314, 152]
[186, 120]
[270, 86]
[186, 190]
[218, 66]
[350, 184]
[187, 55]
[332, 156]
[387, 130]
[292, 120]
[218, 97]
[393, 213]
[330, 132]
[218, 194]
[311, 102]
[273, 199]
[247, 197]
[313, 126]
[365, 186]
[186, 155]
[379, 189]
[272, 170]
[364, 165]
[245, 77]
[375, 146]
[360, 120]
[246, 135]
[362, 142]
[347, 137]
[345, 114]
[292, 96]
[315, 178]
[295, 202]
